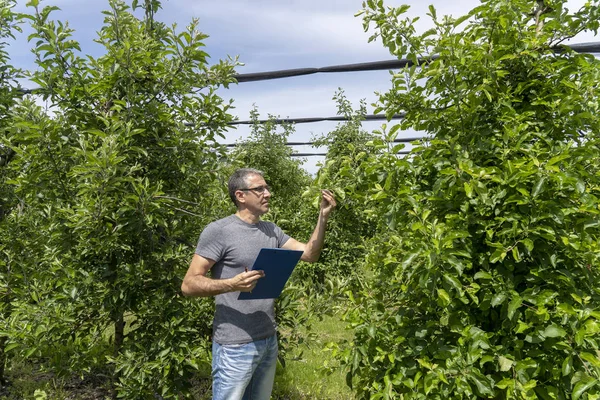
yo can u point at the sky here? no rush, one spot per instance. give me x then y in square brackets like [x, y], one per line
[270, 35]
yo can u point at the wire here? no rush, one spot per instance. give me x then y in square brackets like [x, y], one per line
[324, 154]
[590, 47]
[369, 117]
[400, 140]
[368, 66]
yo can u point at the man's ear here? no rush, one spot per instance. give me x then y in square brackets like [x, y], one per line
[239, 196]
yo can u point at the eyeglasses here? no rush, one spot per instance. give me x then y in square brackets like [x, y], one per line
[259, 189]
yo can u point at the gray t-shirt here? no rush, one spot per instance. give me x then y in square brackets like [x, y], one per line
[234, 244]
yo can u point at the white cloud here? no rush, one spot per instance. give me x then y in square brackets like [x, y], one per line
[287, 29]
[280, 34]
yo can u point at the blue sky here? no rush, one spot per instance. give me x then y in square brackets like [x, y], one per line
[270, 35]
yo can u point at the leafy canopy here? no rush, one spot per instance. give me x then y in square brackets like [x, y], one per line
[486, 263]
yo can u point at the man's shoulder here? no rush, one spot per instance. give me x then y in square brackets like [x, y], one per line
[221, 224]
[232, 222]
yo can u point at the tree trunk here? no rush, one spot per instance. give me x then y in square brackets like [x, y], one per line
[119, 332]
[117, 345]
[118, 320]
[7, 157]
[5, 298]
[2, 361]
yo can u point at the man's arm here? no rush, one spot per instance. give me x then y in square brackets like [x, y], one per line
[197, 284]
[312, 249]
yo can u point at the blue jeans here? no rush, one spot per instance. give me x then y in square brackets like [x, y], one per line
[244, 371]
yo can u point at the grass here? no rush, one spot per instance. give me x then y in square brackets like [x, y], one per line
[303, 377]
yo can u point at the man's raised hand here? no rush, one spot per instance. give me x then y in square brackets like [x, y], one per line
[328, 202]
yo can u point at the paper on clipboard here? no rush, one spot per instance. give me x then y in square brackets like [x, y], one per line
[278, 265]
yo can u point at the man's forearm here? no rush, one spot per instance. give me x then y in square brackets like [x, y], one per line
[315, 243]
[202, 286]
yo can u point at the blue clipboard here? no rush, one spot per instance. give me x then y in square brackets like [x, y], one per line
[278, 265]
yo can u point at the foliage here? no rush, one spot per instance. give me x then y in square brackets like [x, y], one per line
[486, 265]
[120, 178]
[348, 227]
[9, 204]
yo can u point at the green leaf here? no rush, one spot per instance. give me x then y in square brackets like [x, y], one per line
[505, 363]
[460, 20]
[556, 159]
[372, 331]
[582, 386]
[498, 255]
[516, 254]
[528, 244]
[514, 305]
[506, 383]
[410, 259]
[443, 296]
[538, 187]
[453, 281]
[482, 383]
[394, 131]
[580, 186]
[591, 358]
[485, 359]
[482, 275]
[498, 299]
[10, 347]
[554, 331]
[567, 366]
[430, 381]
[432, 12]
[468, 189]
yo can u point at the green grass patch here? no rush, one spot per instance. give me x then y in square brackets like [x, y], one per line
[305, 377]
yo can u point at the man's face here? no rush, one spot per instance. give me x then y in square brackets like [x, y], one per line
[257, 195]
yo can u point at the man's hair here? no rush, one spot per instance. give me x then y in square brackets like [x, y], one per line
[237, 181]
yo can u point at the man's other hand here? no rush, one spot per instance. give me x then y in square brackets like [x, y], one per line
[246, 281]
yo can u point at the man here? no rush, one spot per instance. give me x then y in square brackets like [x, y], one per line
[244, 337]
